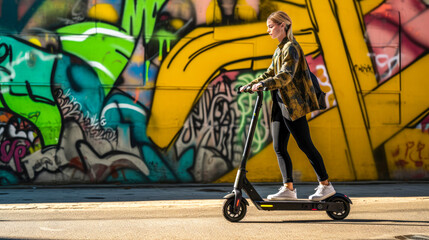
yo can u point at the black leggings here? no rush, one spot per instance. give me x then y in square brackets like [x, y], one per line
[281, 130]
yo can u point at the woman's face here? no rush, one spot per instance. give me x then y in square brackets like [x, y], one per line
[275, 30]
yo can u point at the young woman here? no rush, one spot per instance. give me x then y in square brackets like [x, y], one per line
[293, 96]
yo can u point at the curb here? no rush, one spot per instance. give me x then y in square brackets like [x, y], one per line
[193, 185]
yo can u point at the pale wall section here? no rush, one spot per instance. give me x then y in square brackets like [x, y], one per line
[124, 91]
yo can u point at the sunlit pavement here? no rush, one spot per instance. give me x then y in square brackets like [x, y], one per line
[380, 210]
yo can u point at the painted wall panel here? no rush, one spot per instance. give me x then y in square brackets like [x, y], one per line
[110, 91]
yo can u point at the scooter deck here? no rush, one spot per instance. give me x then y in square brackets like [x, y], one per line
[296, 200]
[299, 205]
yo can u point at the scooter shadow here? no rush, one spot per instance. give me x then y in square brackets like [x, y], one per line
[381, 222]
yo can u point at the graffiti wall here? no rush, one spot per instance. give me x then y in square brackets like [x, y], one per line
[125, 91]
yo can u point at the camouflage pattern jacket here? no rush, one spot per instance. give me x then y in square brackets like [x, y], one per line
[289, 73]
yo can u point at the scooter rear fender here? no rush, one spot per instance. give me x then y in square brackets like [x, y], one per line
[340, 195]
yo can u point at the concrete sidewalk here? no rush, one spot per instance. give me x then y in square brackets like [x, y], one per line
[162, 192]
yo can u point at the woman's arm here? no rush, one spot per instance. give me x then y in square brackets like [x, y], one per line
[267, 74]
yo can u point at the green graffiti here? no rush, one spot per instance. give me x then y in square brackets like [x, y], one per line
[245, 104]
[164, 37]
[134, 14]
[106, 48]
[25, 86]
[33, 116]
[147, 66]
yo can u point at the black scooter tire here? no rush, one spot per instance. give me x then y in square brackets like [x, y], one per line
[339, 215]
[228, 210]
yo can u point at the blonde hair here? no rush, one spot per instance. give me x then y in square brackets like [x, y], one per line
[279, 17]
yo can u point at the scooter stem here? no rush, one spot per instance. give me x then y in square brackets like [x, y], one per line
[241, 173]
[252, 128]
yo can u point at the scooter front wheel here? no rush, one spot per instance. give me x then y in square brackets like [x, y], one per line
[228, 210]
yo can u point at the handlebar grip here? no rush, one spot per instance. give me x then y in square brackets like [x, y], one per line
[248, 89]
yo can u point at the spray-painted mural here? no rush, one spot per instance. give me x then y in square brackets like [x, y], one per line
[107, 91]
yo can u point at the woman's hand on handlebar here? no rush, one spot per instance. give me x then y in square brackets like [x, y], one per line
[257, 87]
[245, 88]
[252, 88]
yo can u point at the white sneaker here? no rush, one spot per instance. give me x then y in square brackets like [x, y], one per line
[283, 194]
[322, 192]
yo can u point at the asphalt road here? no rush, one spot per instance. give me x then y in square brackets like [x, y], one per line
[379, 211]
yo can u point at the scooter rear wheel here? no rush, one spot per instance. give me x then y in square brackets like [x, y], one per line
[228, 210]
[342, 214]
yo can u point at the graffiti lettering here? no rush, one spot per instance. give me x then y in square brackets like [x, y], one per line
[72, 109]
[43, 163]
[366, 68]
[413, 154]
[418, 162]
[13, 151]
[409, 145]
[77, 13]
[89, 85]
[388, 64]
[5, 51]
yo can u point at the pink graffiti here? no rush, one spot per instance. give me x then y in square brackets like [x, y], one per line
[409, 146]
[425, 124]
[419, 160]
[13, 151]
[383, 26]
[396, 152]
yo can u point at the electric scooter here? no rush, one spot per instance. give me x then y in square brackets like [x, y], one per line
[235, 205]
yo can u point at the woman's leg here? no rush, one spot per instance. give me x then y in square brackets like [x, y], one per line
[280, 134]
[301, 132]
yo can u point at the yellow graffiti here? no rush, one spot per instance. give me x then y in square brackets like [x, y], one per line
[217, 16]
[105, 12]
[368, 116]
[35, 41]
[244, 11]
[177, 23]
[196, 60]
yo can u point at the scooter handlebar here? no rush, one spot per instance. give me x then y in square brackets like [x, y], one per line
[248, 89]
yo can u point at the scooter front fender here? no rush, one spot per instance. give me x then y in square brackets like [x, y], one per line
[232, 195]
[229, 195]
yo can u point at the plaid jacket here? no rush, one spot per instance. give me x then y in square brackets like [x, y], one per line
[289, 73]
